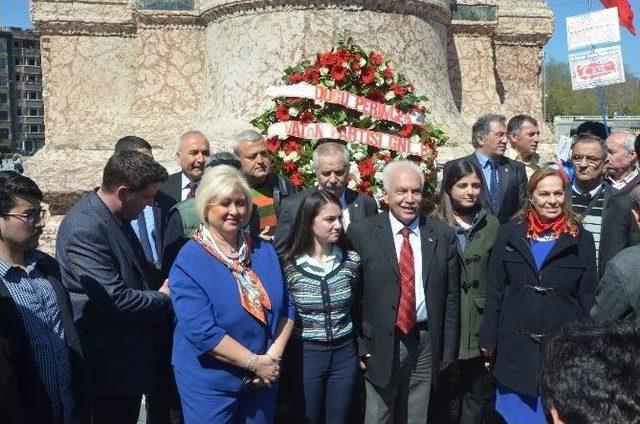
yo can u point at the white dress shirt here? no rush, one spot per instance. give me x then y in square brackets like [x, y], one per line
[346, 220]
[416, 246]
[184, 192]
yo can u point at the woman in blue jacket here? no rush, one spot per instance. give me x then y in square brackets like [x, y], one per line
[233, 313]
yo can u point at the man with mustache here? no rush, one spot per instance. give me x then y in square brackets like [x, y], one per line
[524, 137]
[192, 153]
[409, 300]
[41, 371]
[268, 189]
[331, 161]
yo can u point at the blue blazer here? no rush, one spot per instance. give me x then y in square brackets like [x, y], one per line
[110, 285]
[207, 307]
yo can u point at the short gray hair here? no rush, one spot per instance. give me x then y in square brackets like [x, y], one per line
[246, 136]
[482, 127]
[218, 182]
[590, 138]
[190, 132]
[629, 138]
[331, 148]
[401, 164]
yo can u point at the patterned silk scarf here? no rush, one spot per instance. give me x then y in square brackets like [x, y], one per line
[253, 296]
[536, 227]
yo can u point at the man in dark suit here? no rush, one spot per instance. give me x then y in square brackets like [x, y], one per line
[331, 160]
[504, 179]
[192, 153]
[110, 284]
[41, 371]
[618, 229]
[409, 300]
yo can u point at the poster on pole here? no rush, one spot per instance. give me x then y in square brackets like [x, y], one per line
[593, 28]
[595, 68]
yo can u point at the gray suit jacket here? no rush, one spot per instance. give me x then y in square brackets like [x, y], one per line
[360, 207]
[109, 282]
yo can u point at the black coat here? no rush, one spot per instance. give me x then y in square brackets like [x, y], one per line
[518, 319]
[618, 229]
[170, 192]
[512, 178]
[360, 207]
[23, 398]
[379, 292]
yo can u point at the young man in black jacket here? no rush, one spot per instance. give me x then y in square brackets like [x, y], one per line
[41, 372]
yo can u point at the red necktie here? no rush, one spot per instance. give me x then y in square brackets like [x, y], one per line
[406, 317]
[192, 190]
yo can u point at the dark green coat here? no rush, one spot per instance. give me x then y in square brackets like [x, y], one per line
[474, 262]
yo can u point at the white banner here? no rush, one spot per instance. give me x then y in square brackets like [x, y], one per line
[320, 93]
[349, 134]
[593, 28]
[596, 68]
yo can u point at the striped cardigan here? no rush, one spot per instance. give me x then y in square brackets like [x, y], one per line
[324, 303]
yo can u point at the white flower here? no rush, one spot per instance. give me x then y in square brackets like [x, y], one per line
[363, 61]
[358, 156]
[293, 111]
[390, 95]
[283, 137]
[329, 83]
[415, 138]
[379, 81]
[281, 154]
[291, 157]
[323, 71]
[378, 177]
[352, 184]
[389, 80]
[382, 68]
[319, 103]
[345, 64]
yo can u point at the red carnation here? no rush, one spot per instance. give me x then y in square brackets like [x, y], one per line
[296, 178]
[290, 167]
[296, 78]
[312, 76]
[291, 146]
[388, 73]
[328, 59]
[339, 73]
[399, 90]
[273, 144]
[376, 95]
[366, 167]
[282, 113]
[306, 116]
[344, 55]
[368, 75]
[406, 131]
[355, 65]
[376, 58]
[364, 187]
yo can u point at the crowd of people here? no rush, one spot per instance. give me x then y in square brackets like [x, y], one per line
[222, 294]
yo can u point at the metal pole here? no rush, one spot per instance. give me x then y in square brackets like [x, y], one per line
[602, 104]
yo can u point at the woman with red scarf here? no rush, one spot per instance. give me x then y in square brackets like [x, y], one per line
[542, 275]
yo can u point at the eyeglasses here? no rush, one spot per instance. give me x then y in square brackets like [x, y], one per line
[30, 217]
[591, 160]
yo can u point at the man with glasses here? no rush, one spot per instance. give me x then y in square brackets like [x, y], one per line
[41, 372]
[504, 180]
[618, 293]
[588, 154]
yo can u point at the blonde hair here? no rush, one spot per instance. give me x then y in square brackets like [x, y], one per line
[217, 183]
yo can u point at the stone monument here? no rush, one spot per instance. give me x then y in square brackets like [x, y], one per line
[156, 68]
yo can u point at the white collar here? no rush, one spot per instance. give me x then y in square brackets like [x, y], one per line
[397, 226]
[592, 192]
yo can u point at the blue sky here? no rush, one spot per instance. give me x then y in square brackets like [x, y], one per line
[16, 13]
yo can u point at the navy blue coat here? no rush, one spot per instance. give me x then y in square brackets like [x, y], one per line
[114, 307]
[525, 306]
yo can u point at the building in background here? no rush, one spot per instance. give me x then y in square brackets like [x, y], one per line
[21, 107]
[567, 125]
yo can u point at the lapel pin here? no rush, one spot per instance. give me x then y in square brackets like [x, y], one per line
[355, 205]
[506, 169]
[430, 239]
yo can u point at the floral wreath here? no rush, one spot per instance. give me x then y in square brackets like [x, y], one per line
[353, 96]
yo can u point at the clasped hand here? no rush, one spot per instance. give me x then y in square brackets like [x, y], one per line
[267, 370]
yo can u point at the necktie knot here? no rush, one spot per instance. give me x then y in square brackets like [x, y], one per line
[493, 163]
[192, 189]
[405, 233]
